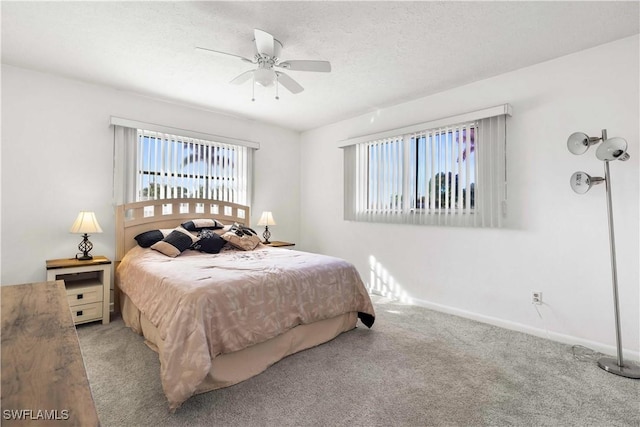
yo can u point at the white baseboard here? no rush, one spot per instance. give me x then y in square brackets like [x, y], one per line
[519, 327]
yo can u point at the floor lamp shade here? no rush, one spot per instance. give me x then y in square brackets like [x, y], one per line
[85, 223]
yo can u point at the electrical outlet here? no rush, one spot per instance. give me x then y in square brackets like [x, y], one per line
[536, 297]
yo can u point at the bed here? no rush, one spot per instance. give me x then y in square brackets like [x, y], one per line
[218, 319]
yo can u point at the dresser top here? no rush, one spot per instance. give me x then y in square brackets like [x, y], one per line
[42, 366]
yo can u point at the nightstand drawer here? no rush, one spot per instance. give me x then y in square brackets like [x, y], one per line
[81, 295]
[86, 312]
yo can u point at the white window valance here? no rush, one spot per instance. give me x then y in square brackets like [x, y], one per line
[134, 124]
[498, 110]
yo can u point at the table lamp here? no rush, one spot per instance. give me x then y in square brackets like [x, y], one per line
[85, 223]
[266, 219]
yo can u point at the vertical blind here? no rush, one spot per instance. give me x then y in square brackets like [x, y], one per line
[171, 166]
[151, 164]
[452, 174]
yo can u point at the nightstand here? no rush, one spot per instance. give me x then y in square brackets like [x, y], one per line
[88, 286]
[278, 244]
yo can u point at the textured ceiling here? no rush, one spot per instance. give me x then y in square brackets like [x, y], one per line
[382, 53]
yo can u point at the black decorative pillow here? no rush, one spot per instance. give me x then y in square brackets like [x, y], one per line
[202, 224]
[148, 238]
[210, 242]
[178, 241]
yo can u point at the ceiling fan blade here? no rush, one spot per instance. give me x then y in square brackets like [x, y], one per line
[322, 66]
[225, 53]
[242, 77]
[264, 42]
[289, 84]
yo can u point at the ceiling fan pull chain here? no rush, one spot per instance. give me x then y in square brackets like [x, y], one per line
[253, 89]
[277, 81]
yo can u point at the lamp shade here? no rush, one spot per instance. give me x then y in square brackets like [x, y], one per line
[581, 182]
[613, 149]
[85, 223]
[266, 219]
[578, 143]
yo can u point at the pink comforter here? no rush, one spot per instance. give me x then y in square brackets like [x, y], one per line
[205, 305]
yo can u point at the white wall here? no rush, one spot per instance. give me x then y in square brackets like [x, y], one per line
[57, 159]
[555, 241]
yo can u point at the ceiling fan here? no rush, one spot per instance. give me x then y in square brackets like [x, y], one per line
[267, 57]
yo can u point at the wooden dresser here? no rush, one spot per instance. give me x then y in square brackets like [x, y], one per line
[44, 381]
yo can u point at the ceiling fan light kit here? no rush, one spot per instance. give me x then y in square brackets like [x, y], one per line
[267, 57]
[264, 77]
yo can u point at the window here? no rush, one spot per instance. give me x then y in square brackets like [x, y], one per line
[384, 174]
[156, 162]
[443, 168]
[171, 166]
[443, 172]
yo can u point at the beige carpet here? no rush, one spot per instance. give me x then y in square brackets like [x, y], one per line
[415, 367]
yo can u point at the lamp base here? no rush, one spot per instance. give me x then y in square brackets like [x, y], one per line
[85, 247]
[628, 370]
[266, 235]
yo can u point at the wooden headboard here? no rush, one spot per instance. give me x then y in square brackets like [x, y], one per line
[135, 218]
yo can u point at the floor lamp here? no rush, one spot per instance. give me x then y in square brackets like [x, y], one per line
[581, 182]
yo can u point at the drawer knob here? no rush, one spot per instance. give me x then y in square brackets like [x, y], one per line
[79, 313]
[80, 296]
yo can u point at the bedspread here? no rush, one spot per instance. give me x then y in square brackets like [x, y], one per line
[205, 305]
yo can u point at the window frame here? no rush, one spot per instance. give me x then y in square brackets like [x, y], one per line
[126, 158]
[414, 191]
[175, 160]
[486, 207]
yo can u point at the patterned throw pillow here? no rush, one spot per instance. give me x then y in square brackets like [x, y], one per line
[246, 242]
[210, 242]
[178, 241]
[202, 224]
[150, 237]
